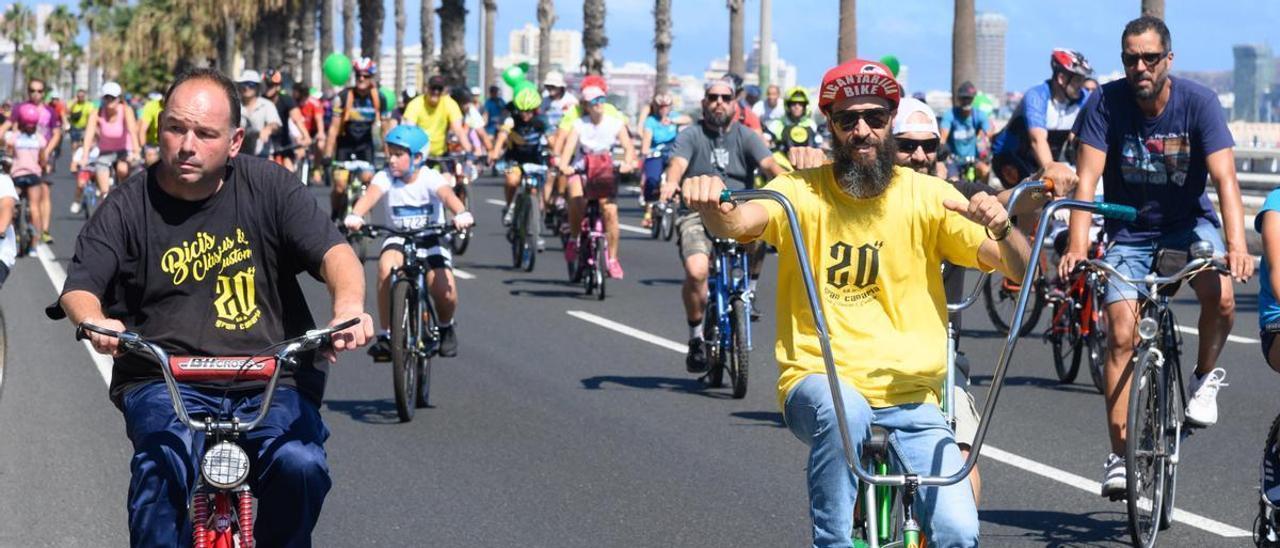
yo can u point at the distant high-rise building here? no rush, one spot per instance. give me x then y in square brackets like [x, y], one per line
[1251, 80]
[566, 47]
[990, 31]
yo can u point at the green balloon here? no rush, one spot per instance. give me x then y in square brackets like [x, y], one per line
[983, 103]
[522, 85]
[891, 61]
[525, 66]
[513, 76]
[388, 97]
[337, 69]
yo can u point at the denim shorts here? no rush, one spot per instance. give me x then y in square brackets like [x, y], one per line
[1135, 259]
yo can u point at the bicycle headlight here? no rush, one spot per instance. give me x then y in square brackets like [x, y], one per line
[225, 465]
[1147, 328]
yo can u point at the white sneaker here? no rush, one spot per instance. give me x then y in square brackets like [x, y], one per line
[1114, 480]
[1202, 406]
[508, 215]
[75, 208]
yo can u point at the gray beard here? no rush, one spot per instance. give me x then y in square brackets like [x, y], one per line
[1156, 87]
[865, 180]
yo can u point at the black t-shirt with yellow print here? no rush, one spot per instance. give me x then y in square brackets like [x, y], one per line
[216, 277]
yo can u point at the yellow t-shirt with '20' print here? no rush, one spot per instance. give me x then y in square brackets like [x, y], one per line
[877, 264]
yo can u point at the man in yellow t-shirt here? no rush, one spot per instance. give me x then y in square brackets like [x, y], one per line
[437, 114]
[876, 235]
[78, 115]
[149, 128]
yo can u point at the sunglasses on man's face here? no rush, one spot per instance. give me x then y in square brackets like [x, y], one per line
[365, 76]
[721, 97]
[909, 146]
[435, 89]
[1148, 59]
[876, 118]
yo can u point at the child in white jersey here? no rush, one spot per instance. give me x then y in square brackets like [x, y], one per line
[416, 198]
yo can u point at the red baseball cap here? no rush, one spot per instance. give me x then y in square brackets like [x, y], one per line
[594, 81]
[858, 78]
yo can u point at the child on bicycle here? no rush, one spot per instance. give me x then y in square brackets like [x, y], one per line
[416, 198]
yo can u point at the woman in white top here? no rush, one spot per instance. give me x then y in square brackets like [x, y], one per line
[588, 148]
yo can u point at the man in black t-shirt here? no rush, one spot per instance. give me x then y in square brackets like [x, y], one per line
[201, 253]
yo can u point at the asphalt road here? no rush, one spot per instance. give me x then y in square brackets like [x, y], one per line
[551, 430]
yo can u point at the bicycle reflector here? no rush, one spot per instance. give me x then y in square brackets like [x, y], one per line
[225, 465]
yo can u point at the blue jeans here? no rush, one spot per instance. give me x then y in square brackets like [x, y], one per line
[1136, 259]
[288, 473]
[921, 441]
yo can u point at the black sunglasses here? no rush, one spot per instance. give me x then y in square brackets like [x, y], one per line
[35, 90]
[1149, 59]
[876, 118]
[908, 146]
[435, 89]
[722, 97]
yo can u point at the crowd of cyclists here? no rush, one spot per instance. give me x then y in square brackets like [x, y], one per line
[865, 164]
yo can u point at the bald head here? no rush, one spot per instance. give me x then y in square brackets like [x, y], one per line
[201, 82]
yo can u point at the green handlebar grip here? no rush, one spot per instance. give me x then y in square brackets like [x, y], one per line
[1117, 211]
[726, 196]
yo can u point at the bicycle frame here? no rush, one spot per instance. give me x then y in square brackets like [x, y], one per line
[221, 451]
[912, 482]
[727, 281]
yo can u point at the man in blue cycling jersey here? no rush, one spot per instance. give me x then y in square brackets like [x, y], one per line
[965, 130]
[1040, 128]
[1156, 139]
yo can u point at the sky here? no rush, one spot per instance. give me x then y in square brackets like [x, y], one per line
[918, 32]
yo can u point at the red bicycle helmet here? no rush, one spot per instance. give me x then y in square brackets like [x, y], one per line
[365, 65]
[1072, 61]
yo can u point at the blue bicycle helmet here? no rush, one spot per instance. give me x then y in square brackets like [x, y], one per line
[409, 137]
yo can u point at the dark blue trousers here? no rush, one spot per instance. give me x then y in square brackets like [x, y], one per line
[287, 469]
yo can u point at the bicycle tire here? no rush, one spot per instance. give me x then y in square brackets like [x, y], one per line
[4, 349]
[655, 221]
[461, 239]
[602, 262]
[22, 227]
[1096, 343]
[403, 367]
[1173, 426]
[669, 224]
[740, 357]
[532, 230]
[1263, 523]
[711, 346]
[1144, 468]
[1001, 303]
[515, 234]
[1065, 342]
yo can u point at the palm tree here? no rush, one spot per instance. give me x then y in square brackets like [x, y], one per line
[62, 27]
[1154, 8]
[372, 14]
[662, 45]
[72, 55]
[490, 13]
[427, 38]
[593, 38]
[453, 46]
[17, 25]
[964, 45]
[399, 9]
[306, 77]
[93, 12]
[737, 63]
[546, 20]
[349, 27]
[847, 41]
[38, 64]
[326, 35]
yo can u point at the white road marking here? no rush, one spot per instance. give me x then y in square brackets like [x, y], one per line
[996, 454]
[58, 277]
[495, 202]
[463, 275]
[1231, 338]
[1084, 484]
[629, 331]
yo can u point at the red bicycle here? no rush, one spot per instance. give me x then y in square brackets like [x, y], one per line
[221, 503]
[1078, 325]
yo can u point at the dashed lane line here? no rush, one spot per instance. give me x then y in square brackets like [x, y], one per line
[996, 454]
[58, 277]
[1230, 338]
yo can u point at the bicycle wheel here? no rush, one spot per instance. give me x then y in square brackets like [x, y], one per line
[1096, 343]
[424, 380]
[26, 234]
[1001, 298]
[740, 358]
[1144, 453]
[532, 230]
[462, 239]
[404, 367]
[516, 233]
[4, 348]
[711, 345]
[655, 221]
[668, 223]
[1264, 530]
[1065, 340]
[1173, 425]
[600, 272]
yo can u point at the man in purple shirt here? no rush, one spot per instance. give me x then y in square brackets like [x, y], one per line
[1155, 139]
